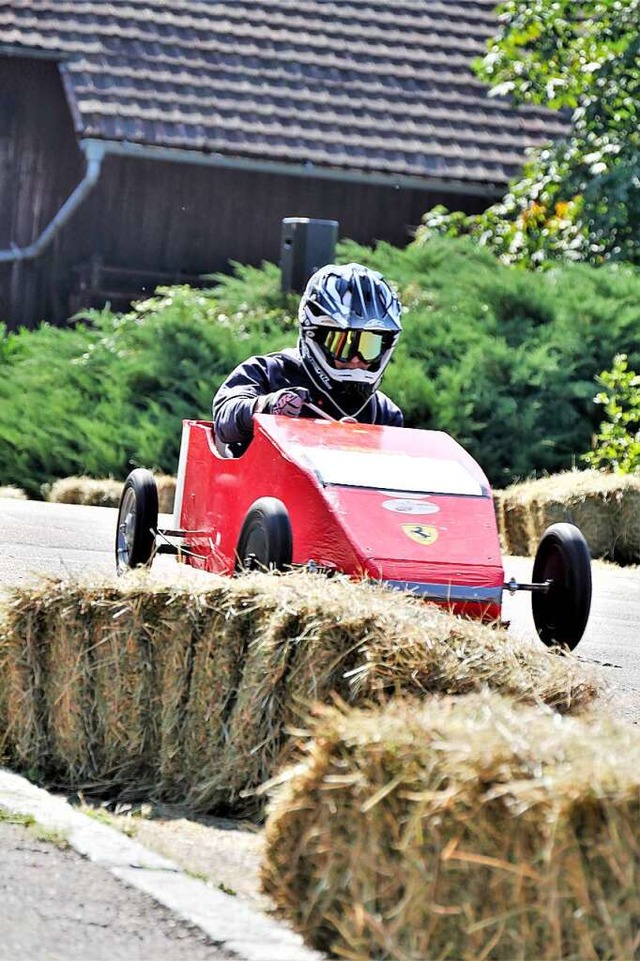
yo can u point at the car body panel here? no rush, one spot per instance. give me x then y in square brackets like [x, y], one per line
[407, 507]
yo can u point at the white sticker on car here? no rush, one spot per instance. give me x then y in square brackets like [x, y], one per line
[410, 507]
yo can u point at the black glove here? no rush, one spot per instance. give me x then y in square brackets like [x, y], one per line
[287, 402]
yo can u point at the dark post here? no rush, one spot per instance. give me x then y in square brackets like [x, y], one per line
[306, 245]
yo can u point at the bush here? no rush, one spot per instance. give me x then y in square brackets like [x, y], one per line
[109, 393]
[502, 359]
[616, 447]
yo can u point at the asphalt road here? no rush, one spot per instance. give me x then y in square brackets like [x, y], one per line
[56, 904]
[58, 539]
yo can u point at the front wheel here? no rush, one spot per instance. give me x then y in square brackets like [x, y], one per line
[265, 539]
[137, 520]
[563, 558]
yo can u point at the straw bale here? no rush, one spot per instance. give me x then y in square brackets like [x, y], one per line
[103, 492]
[319, 636]
[190, 691]
[81, 696]
[125, 698]
[514, 521]
[228, 626]
[588, 499]
[460, 828]
[85, 490]
[13, 493]
[498, 507]
[603, 505]
[166, 492]
[627, 532]
[66, 638]
[298, 651]
[174, 655]
[23, 637]
[366, 642]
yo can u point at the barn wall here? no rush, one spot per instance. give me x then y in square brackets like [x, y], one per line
[196, 218]
[40, 164]
[148, 222]
[169, 218]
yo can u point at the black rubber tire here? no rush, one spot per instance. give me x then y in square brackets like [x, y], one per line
[265, 541]
[563, 557]
[137, 520]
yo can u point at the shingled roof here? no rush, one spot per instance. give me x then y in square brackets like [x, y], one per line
[359, 85]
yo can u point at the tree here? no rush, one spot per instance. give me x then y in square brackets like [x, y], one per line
[616, 446]
[578, 198]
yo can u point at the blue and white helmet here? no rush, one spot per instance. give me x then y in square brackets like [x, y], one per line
[348, 311]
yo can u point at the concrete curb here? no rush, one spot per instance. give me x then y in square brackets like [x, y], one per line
[250, 935]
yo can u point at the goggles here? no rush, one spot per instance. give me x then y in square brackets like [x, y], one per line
[344, 345]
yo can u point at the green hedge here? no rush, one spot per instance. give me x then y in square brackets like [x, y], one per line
[503, 359]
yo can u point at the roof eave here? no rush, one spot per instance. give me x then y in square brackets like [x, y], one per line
[124, 148]
[33, 53]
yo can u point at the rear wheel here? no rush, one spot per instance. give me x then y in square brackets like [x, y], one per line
[563, 558]
[265, 539]
[137, 520]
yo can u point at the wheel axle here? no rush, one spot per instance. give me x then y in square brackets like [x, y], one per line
[542, 588]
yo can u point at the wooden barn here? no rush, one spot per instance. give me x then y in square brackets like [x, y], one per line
[154, 142]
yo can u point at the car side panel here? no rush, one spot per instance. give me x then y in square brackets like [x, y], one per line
[444, 547]
[218, 492]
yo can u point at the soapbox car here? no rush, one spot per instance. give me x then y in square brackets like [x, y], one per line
[409, 508]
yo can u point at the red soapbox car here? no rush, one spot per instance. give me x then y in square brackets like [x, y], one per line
[409, 508]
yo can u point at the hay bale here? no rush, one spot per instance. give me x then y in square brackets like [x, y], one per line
[314, 637]
[626, 548]
[587, 499]
[81, 699]
[604, 506]
[125, 689]
[460, 828]
[190, 690]
[317, 637]
[22, 711]
[228, 737]
[498, 508]
[65, 636]
[225, 629]
[514, 523]
[84, 490]
[13, 493]
[104, 492]
[166, 492]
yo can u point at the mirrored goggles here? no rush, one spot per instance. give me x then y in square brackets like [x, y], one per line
[344, 345]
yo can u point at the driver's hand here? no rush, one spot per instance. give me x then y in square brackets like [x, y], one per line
[288, 402]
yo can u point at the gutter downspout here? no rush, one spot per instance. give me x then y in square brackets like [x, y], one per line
[94, 151]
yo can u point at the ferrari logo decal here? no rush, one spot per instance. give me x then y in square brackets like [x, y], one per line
[421, 533]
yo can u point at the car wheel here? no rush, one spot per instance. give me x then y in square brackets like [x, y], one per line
[560, 615]
[137, 520]
[265, 539]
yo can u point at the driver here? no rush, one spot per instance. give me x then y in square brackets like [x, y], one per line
[349, 325]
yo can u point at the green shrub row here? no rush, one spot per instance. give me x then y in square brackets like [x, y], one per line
[503, 359]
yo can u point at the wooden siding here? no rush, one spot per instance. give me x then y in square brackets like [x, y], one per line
[148, 221]
[177, 217]
[40, 163]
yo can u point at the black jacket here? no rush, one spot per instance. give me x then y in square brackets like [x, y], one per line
[233, 404]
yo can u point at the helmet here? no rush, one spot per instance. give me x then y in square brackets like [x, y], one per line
[346, 312]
